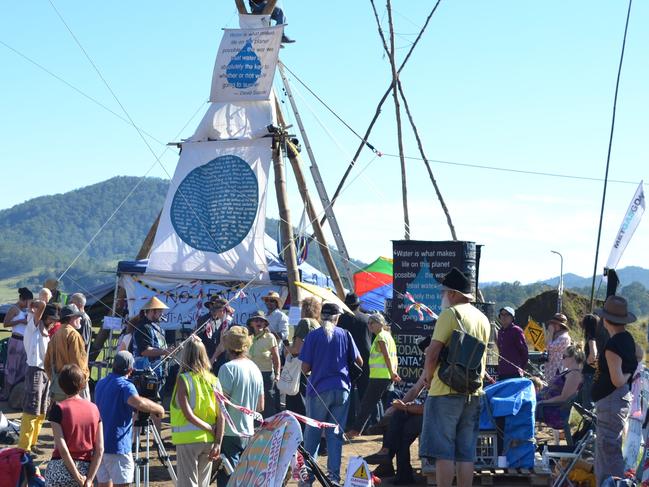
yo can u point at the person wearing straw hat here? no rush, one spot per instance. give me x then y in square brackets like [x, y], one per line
[277, 321]
[242, 382]
[149, 345]
[611, 387]
[557, 341]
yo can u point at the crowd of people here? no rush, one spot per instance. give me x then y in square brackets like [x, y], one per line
[349, 365]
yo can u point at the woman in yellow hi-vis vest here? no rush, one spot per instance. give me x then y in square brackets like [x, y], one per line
[196, 422]
[383, 370]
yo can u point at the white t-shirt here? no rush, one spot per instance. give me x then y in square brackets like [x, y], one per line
[35, 343]
[19, 329]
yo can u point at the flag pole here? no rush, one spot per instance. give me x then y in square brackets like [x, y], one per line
[608, 157]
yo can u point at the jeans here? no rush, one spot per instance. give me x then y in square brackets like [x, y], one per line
[271, 395]
[231, 448]
[585, 398]
[277, 15]
[331, 407]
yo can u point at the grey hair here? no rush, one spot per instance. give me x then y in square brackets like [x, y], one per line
[329, 327]
[78, 298]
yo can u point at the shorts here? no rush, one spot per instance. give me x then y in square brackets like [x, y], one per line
[450, 429]
[116, 467]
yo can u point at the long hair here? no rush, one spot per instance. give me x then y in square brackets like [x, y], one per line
[311, 308]
[194, 357]
[589, 326]
[328, 327]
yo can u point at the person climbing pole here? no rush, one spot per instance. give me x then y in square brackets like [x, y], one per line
[263, 7]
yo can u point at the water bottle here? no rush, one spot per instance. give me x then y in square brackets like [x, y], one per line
[545, 460]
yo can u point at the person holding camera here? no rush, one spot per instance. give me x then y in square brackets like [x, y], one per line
[149, 345]
[196, 425]
[116, 397]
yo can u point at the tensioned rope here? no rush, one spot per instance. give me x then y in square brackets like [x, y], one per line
[117, 100]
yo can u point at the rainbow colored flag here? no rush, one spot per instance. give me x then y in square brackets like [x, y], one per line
[373, 284]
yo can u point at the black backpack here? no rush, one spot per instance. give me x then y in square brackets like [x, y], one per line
[460, 365]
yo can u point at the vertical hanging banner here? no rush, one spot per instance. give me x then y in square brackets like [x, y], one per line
[630, 222]
[245, 64]
[212, 223]
[417, 267]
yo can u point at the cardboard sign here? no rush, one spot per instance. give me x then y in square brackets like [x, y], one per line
[358, 473]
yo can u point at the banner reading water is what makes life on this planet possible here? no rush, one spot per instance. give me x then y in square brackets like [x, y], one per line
[245, 64]
[212, 223]
[418, 265]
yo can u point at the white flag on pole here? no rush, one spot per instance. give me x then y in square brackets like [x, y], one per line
[630, 222]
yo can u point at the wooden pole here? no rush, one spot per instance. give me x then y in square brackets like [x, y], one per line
[145, 249]
[289, 254]
[397, 110]
[294, 157]
[377, 112]
[427, 164]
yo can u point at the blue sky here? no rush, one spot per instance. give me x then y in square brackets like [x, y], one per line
[513, 84]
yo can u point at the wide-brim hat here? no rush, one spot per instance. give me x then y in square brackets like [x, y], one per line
[154, 303]
[216, 301]
[273, 296]
[70, 311]
[616, 311]
[559, 319]
[257, 315]
[237, 339]
[456, 280]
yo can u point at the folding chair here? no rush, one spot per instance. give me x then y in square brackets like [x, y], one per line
[573, 453]
[565, 409]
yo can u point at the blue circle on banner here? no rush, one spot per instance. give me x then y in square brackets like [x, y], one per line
[216, 204]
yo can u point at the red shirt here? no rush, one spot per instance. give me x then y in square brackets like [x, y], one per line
[79, 420]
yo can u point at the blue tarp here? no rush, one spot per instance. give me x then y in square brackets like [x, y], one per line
[515, 400]
[374, 300]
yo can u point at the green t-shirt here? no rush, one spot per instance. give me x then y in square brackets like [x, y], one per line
[475, 323]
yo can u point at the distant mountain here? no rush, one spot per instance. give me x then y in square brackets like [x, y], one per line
[634, 283]
[41, 237]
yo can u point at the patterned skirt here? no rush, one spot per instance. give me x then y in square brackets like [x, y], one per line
[57, 474]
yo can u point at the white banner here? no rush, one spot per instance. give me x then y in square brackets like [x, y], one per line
[630, 222]
[212, 223]
[245, 64]
[186, 298]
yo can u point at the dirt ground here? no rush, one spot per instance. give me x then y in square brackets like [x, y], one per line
[361, 446]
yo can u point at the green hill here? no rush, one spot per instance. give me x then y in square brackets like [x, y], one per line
[41, 237]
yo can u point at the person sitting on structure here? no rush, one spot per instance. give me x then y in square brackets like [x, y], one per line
[563, 387]
[406, 420]
[263, 7]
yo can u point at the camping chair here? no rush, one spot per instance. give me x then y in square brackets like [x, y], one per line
[565, 409]
[584, 436]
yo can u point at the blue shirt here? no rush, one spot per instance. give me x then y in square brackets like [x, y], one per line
[328, 359]
[111, 397]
